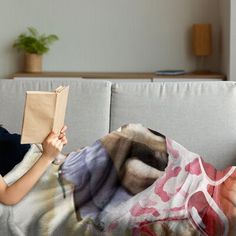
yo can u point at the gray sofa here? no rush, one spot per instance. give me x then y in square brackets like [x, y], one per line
[199, 115]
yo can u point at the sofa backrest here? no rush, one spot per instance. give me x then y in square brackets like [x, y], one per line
[88, 110]
[199, 115]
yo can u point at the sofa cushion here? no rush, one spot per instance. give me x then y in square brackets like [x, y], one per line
[88, 109]
[200, 115]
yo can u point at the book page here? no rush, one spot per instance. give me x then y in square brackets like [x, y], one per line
[61, 103]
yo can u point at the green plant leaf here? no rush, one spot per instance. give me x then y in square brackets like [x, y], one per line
[51, 38]
[33, 42]
[33, 32]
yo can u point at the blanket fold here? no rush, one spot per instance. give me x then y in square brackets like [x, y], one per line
[135, 180]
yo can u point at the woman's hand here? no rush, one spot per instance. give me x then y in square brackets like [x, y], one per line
[63, 132]
[53, 144]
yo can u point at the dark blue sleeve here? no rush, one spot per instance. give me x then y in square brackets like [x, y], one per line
[11, 150]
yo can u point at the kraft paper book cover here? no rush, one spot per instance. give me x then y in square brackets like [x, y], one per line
[44, 111]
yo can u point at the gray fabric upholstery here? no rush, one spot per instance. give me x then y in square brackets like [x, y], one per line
[88, 108]
[199, 115]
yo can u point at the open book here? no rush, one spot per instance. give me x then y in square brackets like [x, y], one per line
[44, 112]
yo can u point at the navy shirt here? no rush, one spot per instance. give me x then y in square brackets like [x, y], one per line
[11, 151]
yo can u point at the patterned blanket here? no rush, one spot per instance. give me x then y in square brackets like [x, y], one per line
[135, 181]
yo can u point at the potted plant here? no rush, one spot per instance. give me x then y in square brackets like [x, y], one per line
[34, 45]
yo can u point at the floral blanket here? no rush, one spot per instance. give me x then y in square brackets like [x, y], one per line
[135, 181]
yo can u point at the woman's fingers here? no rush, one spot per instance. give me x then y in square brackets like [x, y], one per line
[62, 132]
[64, 140]
[59, 144]
[57, 141]
[51, 136]
[64, 128]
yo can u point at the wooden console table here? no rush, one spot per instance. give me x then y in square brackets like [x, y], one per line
[121, 75]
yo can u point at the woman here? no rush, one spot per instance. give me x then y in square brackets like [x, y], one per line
[52, 146]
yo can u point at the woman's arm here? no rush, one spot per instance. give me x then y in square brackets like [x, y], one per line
[52, 146]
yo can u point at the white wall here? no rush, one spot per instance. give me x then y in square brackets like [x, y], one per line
[232, 72]
[109, 35]
[225, 36]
